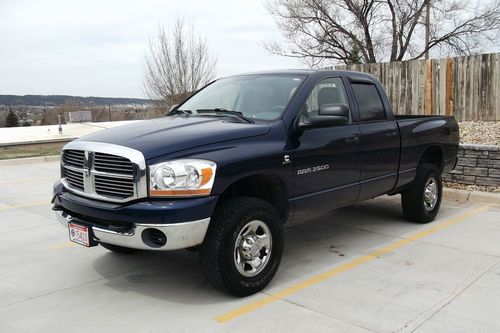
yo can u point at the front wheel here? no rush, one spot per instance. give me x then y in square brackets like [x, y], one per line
[422, 200]
[243, 246]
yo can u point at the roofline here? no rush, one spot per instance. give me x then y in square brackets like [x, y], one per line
[306, 72]
[274, 72]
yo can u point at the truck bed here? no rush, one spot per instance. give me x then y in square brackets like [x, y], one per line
[408, 117]
[418, 133]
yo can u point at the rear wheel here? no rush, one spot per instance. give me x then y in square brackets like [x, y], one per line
[422, 200]
[243, 246]
[117, 249]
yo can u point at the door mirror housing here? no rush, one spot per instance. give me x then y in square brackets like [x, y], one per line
[337, 110]
[329, 115]
[173, 107]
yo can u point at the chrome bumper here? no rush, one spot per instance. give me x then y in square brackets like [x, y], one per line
[179, 235]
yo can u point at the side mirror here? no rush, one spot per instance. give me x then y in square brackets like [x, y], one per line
[173, 107]
[337, 110]
[329, 115]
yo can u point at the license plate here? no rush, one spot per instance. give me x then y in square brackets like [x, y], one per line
[79, 234]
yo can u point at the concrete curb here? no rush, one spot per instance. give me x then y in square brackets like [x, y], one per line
[29, 160]
[464, 196]
[471, 146]
[37, 142]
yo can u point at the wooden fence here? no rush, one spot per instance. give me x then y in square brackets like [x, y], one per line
[465, 87]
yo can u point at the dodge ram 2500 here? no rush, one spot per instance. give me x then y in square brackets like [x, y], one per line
[226, 169]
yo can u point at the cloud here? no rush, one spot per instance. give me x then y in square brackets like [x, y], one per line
[97, 47]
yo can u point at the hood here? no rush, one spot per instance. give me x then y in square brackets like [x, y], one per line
[158, 137]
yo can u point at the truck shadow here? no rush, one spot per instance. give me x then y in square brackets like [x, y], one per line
[310, 248]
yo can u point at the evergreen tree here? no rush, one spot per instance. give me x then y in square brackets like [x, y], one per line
[354, 56]
[11, 120]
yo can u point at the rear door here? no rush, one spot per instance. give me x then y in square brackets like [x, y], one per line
[380, 142]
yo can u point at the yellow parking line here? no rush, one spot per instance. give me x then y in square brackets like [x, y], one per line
[64, 245]
[31, 204]
[228, 316]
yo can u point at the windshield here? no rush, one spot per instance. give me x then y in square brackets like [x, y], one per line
[261, 97]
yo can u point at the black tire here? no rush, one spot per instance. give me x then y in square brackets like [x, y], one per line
[117, 249]
[217, 253]
[415, 207]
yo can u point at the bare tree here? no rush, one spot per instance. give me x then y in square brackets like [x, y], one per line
[177, 65]
[336, 31]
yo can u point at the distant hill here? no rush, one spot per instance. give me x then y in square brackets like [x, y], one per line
[55, 100]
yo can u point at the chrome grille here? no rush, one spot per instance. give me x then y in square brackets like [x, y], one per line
[99, 170]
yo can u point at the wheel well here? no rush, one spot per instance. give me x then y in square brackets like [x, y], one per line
[433, 155]
[266, 187]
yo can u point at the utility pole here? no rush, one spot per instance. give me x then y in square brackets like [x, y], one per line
[427, 27]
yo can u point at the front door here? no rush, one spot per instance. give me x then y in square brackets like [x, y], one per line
[326, 160]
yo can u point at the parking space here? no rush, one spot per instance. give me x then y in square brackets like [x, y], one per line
[360, 269]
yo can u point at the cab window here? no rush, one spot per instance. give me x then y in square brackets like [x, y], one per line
[327, 91]
[370, 104]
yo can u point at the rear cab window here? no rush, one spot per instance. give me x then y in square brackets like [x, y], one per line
[370, 105]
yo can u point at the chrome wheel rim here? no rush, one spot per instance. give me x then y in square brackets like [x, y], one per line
[430, 194]
[252, 249]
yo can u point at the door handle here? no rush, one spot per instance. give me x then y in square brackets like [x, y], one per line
[391, 134]
[354, 139]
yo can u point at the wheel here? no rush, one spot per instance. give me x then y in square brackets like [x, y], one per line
[243, 246]
[117, 249]
[422, 200]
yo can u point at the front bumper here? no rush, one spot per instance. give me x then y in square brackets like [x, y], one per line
[184, 222]
[179, 235]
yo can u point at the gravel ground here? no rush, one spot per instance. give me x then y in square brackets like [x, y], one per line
[472, 187]
[480, 132]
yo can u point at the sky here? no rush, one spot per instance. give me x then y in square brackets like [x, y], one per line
[97, 48]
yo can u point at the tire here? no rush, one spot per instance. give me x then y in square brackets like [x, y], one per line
[417, 205]
[117, 249]
[243, 221]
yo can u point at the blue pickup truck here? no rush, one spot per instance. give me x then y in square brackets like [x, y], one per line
[222, 172]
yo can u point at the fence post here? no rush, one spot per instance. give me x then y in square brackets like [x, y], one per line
[449, 87]
[428, 88]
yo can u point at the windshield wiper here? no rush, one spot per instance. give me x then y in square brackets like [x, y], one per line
[179, 111]
[224, 112]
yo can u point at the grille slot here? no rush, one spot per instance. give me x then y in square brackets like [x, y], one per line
[113, 186]
[74, 178]
[74, 158]
[112, 163]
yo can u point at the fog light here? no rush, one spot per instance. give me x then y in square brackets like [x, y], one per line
[154, 238]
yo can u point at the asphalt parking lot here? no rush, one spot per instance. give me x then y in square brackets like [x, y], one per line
[360, 269]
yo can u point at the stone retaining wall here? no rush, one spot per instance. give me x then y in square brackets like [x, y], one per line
[477, 165]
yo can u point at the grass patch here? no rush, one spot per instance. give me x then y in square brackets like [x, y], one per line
[31, 150]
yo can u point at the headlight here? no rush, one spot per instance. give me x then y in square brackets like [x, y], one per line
[181, 178]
